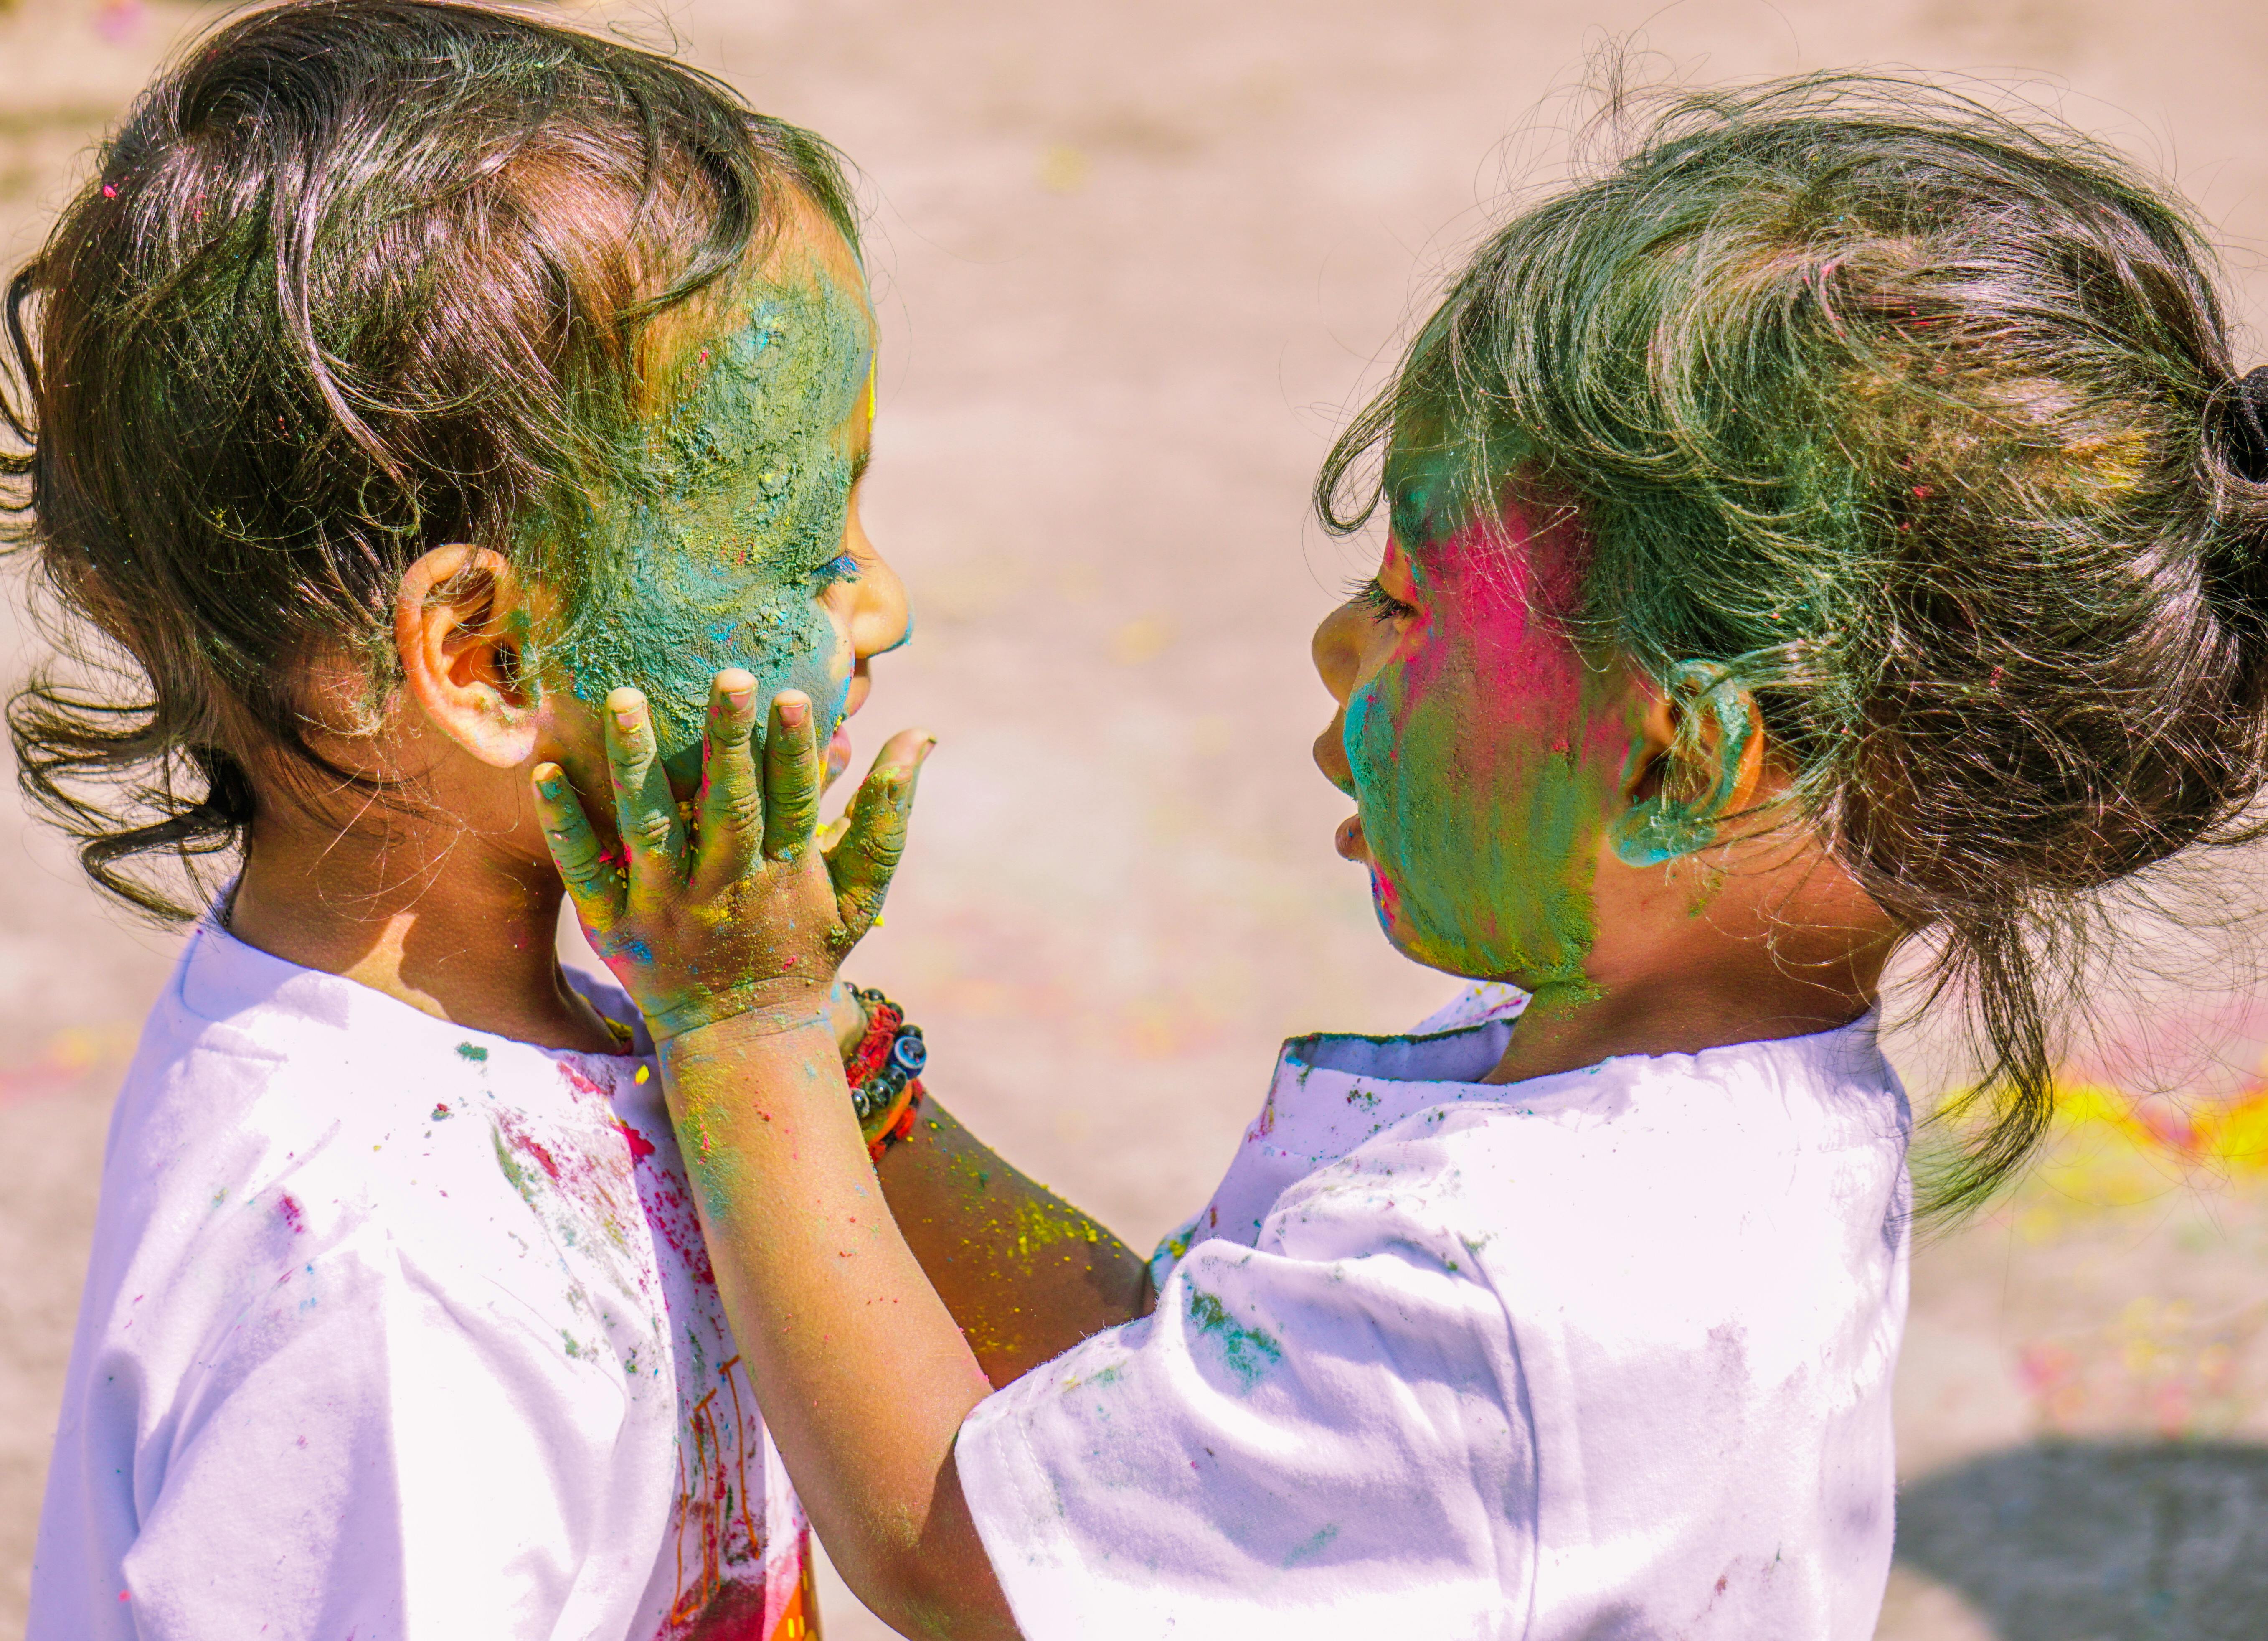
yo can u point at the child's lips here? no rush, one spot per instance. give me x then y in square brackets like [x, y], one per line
[1350, 842]
[838, 753]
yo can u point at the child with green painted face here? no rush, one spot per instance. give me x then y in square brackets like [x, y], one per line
[408, 376]
[1839, 524]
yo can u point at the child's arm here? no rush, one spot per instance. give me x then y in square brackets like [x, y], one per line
[729, 944]
[1026, 1274]
[863, 1376]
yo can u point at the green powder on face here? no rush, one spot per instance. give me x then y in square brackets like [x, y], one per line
[715, 537]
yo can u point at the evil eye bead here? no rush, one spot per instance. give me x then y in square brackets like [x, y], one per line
[909, 1054]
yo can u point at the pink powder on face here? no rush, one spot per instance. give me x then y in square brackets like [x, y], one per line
[1386, 898]
[1481, 753]
[1505, 584]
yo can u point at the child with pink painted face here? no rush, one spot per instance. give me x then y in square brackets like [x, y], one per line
[1840, 523]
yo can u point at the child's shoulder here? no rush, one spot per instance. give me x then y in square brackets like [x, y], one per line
[246, 1049]
[1331, 1095]
[1633, 1144]
[1642, 1194]
[277, 1120]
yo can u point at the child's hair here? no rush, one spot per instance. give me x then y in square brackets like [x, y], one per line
[1922, 419]
[354, 279]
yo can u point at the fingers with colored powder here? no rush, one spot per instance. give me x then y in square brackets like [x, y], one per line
[865, 857]
[795, 774]
[743, 911]
[729, 816]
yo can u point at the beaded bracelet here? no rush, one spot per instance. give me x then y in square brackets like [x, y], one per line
[885, 1073]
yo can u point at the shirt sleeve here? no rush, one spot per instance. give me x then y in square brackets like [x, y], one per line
[1326, 1440]
[372, 1450]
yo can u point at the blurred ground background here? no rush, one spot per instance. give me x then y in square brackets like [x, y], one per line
[1135, 262]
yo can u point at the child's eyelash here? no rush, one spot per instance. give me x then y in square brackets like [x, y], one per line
[1381, 604]
[842, 567]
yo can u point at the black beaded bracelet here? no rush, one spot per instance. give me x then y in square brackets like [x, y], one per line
[879, 1092]
[885, 1071]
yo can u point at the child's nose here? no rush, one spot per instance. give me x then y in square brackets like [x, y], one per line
[881, 617]
[1338, 649]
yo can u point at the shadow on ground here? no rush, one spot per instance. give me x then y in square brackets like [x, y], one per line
[2075, 1541]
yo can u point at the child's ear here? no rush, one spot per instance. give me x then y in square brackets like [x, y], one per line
[1696, 760]
[459, 626]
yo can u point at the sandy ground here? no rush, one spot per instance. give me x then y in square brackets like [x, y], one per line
[1135, 262]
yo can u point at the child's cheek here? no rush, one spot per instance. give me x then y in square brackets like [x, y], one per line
[1479, 812]
[687, 621]
[1402, 748]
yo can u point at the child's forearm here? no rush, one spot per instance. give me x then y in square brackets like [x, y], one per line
[726, 925]
[1025, 1273]
[862, 1374]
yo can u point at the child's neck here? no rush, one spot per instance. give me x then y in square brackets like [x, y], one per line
[1767, 936]
[449, 924]
[1748, 972]
[1566, 1027]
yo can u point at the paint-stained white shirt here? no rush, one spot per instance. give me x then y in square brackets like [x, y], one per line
[400, 1332]
[1599, 1355]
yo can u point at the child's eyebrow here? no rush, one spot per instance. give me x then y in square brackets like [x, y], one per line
[860, 462]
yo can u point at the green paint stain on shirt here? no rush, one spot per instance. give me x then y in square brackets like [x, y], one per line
[1248, 1352]
[1314, 1547]
[522, 1179]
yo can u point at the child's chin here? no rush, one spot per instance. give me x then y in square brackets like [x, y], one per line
[1411, 943]
[1431, 951]
[1417, 944]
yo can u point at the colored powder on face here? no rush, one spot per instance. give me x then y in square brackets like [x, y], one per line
[1483, 757]
[719, 536]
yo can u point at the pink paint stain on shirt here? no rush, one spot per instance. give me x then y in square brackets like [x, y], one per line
[288, 1206]
[641, 1147]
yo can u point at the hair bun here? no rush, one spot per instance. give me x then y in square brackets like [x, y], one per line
[2248, 426]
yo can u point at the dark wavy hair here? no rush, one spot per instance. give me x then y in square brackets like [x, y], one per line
[354, 279]
[1921, 417]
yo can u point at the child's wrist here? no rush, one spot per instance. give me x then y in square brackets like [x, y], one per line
[750, 1049]
[751, 1013]
[848, 1010]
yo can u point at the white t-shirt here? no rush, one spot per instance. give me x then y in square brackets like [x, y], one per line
[401, 1332]
[1595, 1356]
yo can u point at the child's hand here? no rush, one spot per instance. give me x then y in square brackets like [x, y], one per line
[747, 914]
